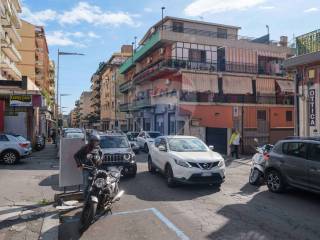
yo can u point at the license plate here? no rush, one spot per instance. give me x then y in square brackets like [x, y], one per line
[206, 174]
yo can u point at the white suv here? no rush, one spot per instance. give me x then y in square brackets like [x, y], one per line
[186, 159]
[145, 138]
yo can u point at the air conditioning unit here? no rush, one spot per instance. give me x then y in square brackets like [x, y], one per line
[167, 82]
[161, 51]
[149, 59]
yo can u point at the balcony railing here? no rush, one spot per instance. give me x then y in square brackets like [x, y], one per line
[124, 87]
[136, 105]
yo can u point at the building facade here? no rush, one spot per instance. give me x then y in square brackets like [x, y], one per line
[95, 97]
[203, 79]
[85, 109]
[305, 67]
[10, 39]
[110, 97]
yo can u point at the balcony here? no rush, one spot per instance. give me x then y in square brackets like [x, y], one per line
[13, 34]
[10, 67]
[136, 105]
[124, 107]
[143, 49]
[11, 51]
[125, 87]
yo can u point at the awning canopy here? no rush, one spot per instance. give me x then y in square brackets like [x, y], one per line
[266, 86]
[237, 85]
[272, 54]
[199, 82]
[286, 86]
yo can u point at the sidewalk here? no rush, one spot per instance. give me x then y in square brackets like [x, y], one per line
[27, 191]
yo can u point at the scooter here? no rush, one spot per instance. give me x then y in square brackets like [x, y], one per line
[40, 143]
[259, 163]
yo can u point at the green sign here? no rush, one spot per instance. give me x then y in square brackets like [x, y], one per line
[308, 43]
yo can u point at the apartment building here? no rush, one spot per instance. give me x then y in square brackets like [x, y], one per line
[110, 96]
[204, 79]
[95, 97]
[85, 108]
[10, 39]
[305, 67]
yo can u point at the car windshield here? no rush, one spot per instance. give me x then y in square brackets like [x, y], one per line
[74, 135]
[154, 134]
[187, 145]
[114, 142]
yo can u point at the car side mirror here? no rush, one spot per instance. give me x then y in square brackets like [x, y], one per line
[211, 147]
[162, 148]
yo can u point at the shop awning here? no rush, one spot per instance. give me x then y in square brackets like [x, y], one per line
[265, 86]
[286, 86]
[199, 82]
[272, 54]
[237, 85]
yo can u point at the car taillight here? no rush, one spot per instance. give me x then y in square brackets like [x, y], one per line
[24, 145]
[266, 156]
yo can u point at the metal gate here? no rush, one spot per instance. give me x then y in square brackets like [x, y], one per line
[218, 138]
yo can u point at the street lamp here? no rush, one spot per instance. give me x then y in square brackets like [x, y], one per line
[58, 66]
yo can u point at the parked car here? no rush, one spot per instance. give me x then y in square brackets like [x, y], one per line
[117, 151]
[186, 159]
[23, 140]
[294, 162]
[12, 149]
[145, 138]
[74, 135]
[132, 137]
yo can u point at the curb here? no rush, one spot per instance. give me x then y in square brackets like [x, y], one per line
[50, 226]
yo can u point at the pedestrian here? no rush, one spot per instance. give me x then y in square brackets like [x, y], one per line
[53, 136]
[93, 147]
[234, 143]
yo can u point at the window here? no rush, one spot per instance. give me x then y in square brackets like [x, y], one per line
[3, 138]
[262, 115]
[177, 27]
[315, 152]
[289, 116]
[222, 33]
[197, 55]
[296, 149]
[163, 143]
[157, 142]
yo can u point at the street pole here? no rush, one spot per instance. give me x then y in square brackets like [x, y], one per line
[57, 92]
[115, 98]
[162, 9]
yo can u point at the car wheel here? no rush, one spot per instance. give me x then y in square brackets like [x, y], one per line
[169, 176]
[10, 157]
[145, 148]
[133, 172]
[275, 181]
[254, 177]
[151, 167]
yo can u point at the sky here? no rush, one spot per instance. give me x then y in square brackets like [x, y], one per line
[97, 28]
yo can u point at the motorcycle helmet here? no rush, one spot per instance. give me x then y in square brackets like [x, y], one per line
[94, 140]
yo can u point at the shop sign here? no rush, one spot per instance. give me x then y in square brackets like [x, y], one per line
[21, 101]
[312, 107]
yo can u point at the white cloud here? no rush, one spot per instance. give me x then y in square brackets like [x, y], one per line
[199, 7]
[148, 10]
[38, 18]
[313, 9]
[93, 35]
[84, 12]
[59, 38]
[267, 7]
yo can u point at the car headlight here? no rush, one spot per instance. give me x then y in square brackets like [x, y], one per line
[100, 182]
[182, 163]
[221, 163]
[127, 157]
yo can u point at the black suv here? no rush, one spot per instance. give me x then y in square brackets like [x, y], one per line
[117, 151]
[295, 162]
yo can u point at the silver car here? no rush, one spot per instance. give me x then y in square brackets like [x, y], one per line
[294, 162]
[12, 149]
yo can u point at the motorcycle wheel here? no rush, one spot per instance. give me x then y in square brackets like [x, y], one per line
[254, 177]
[87, 215]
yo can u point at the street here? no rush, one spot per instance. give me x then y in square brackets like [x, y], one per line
[151, 210]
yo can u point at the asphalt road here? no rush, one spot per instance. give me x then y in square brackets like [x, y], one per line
[151, 210]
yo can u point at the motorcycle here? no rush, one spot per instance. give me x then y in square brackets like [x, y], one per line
[102, 193]
[40, 143]
[258, 164]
